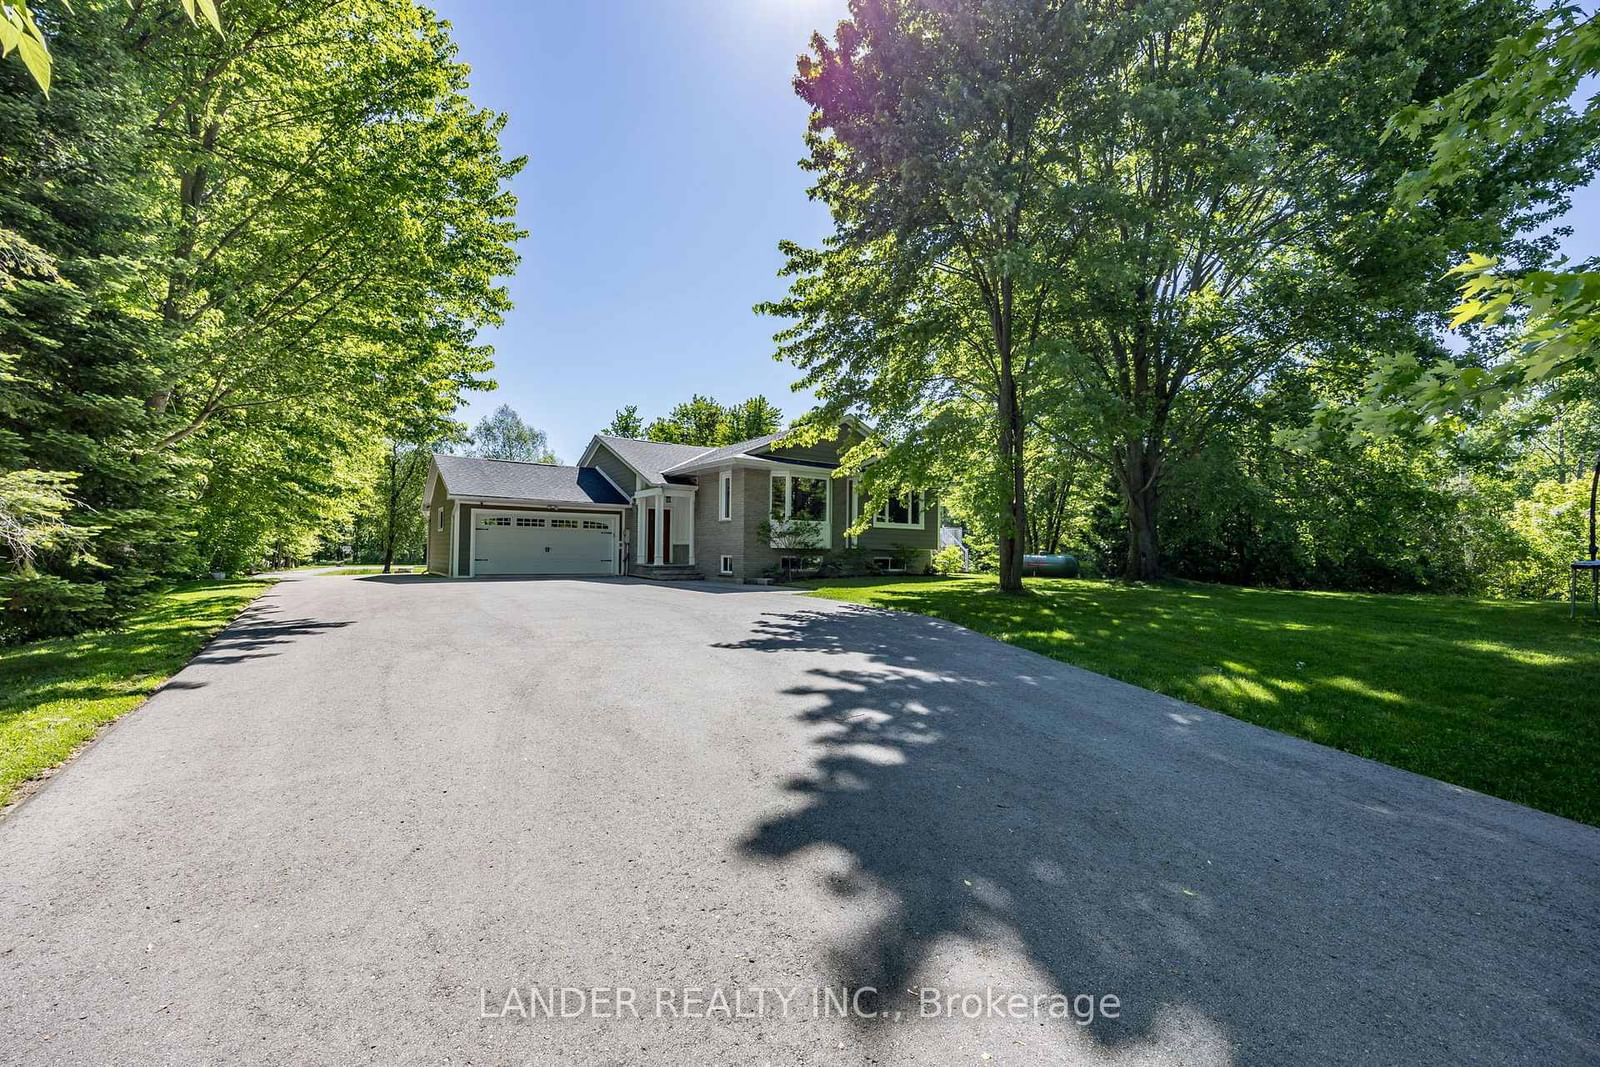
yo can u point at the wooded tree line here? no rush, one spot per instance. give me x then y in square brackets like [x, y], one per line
[241, 275]
[1170, 284]
[700, 420]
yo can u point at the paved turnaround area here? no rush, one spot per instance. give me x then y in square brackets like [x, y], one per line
[377, 813]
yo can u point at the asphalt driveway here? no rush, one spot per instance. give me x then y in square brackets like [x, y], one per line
[377, 815]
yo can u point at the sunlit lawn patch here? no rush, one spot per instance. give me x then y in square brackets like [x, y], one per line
[1498, 696]
[55, 694]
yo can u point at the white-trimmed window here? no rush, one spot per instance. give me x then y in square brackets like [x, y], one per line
[799, 496]
[523, 520]
[725, 565]
[889, 564]
[902, 511]
[725, 496]
[595, 524]
[494, 520]
[441, 519]
[564, 524]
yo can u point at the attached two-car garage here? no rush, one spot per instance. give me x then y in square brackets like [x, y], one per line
[500, 516]
[545, 542]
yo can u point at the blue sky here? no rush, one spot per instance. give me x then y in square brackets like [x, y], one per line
[662, 138]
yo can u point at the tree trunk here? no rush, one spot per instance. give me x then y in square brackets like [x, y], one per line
[1014, 533]
[1139, 476]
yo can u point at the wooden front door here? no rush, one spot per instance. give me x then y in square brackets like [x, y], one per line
[666, 536]
[649, 536]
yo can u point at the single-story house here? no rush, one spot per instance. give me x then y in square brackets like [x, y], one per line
[662, 511]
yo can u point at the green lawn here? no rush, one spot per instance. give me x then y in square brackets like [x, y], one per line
[1499, 696]
[55, 694]
[398, 569]
[349, 568]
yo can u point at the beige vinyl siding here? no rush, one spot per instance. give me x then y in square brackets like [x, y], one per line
[438, 540]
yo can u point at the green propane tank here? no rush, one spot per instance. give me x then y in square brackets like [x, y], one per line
[1050, 566]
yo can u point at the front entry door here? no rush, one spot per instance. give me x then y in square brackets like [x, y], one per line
[650, 535]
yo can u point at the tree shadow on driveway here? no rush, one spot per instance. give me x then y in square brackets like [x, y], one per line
[257, 633]
[1229, 885]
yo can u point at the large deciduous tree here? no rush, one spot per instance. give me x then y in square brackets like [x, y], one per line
[696, 421]
[231, 267]
[700, 420]
[755, 417]
[1117, 218]
[502, 434]
[928, 309]
[338, 216]
[626, 423]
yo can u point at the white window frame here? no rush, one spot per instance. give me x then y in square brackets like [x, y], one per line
[725, 496]
[788, 477]
[725, 565]
[441, 519]
[881, 519]
[890, 564]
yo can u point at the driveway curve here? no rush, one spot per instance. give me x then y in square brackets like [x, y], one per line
[376, 816]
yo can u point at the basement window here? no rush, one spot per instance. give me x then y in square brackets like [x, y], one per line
[725, 566]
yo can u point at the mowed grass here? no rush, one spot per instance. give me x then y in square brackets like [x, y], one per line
[366, 570]
[1499, 696]
[55, 694]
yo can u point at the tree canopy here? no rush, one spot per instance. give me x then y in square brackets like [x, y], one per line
[1519, 104]
[1111, 228]
[701, 420]
[503, 435]
[235, 267]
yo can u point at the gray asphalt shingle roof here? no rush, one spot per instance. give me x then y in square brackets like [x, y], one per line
[717, 455]
[652, 458]
[469, 476]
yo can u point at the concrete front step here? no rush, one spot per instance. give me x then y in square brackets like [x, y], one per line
[671, 572]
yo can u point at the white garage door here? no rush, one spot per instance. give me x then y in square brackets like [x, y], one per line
[546, 542]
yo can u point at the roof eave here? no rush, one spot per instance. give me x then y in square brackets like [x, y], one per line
[745, 459]
[538, 502]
